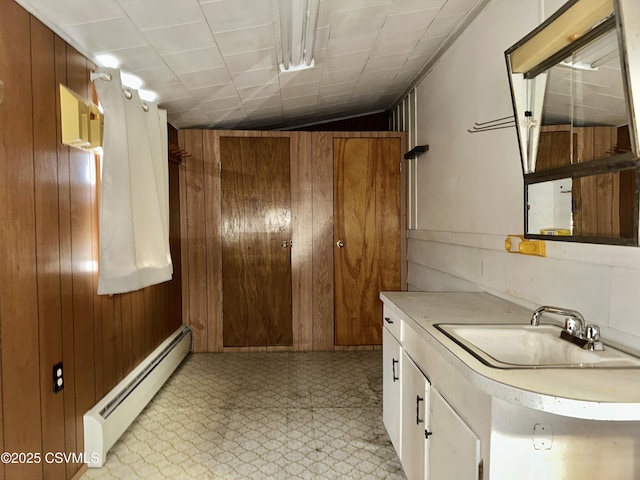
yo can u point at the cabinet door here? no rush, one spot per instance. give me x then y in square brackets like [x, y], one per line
[454, 450]
[391, 392]
[415, 410]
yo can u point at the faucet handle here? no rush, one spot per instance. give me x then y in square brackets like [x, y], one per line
[592, 332]
[573, 326]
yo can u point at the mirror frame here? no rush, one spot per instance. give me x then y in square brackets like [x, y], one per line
[553, 40]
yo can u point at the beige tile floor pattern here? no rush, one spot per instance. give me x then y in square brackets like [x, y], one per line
[287, 415]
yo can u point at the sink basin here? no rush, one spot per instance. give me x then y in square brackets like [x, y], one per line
[526, 346]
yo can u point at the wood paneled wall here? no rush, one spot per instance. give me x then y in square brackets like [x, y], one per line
[312, 222]
[49, 310]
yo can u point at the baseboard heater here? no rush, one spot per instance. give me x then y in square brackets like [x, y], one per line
[108, 420]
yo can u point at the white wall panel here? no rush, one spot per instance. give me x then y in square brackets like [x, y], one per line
[468, 191]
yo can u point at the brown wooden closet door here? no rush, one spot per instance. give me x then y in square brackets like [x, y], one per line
[256, 220]
[367, 225]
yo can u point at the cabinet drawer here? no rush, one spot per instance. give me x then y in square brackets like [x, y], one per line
[393, 323]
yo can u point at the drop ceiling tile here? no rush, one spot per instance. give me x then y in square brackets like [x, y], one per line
[304, 101]
[205, 78]
[196, 115]
[329, 8]
[342, 98]
[347, 62]
[255, 78]
[107, 35]
[245, 40]
[180, 38]
[194, 60]
[227, 15]
[400, 24]
[298, 78]
[177, 106]
[158, 77]
[232, 114]
[137, 58]
[328, 112]
[354, 43]
[171, 92]
[427, 46]
[205, 94]
[337, 89]
[255, 60]
[364, 97]
[260, 91]
[229, 120]
[453, 7]
[405, 77]
[322, 37]
[292, 91]
[75, 12]
[443, 25]
[415, 64]
[405, 6]
[386, 62]
[212, 106]
[331, 77]
[377, 80]
[299, 110]
[214, 92]
[359, 20]
[272, 103]
[264, 114]
[399, 44]
[147, 14]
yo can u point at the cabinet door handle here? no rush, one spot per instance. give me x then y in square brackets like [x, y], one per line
[388, 320]
[418, 400]
[394, 362]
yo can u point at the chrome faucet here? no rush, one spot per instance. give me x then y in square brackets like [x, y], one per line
[575, 330]
[575, 315]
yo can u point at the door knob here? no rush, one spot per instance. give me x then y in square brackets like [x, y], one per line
[340, 244]
[284, 244]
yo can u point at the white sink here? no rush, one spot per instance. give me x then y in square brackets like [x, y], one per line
[526, 346]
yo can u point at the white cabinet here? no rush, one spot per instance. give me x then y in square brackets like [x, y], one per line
[454, 450]
[496, 425]
[391, 393]
[431, 440]
[415, 419]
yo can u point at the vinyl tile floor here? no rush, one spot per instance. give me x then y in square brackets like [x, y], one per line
[230, 416]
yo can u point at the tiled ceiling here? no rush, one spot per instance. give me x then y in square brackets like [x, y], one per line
[214, 63]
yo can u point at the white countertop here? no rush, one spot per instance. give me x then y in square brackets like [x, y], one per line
[593, 393]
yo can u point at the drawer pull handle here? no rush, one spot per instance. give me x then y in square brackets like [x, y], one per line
[418, 400]
[388, 320]
[394, 362]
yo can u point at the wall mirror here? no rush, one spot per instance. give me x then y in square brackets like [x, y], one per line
[572, 83]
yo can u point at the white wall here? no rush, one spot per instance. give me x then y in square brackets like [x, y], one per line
[469, 192]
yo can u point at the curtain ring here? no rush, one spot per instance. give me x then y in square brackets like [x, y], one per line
[145, 107]
[127, 94]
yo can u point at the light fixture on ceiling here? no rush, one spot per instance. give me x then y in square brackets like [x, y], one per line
[147, 95]
[298, 25]
[130, 80]
[107, 60]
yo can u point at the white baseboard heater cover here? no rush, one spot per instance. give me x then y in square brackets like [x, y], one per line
[111, 416]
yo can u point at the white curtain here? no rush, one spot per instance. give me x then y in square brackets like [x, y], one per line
[134, 199]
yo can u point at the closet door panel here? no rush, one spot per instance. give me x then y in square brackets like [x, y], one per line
[256, 238]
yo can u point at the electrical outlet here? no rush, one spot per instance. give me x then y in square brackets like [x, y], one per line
[58, 380]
